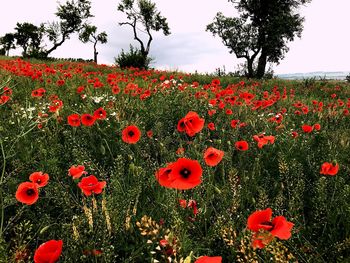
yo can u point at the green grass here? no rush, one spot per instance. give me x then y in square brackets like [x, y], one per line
[284, 176]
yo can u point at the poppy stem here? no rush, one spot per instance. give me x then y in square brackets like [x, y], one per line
[1, 182]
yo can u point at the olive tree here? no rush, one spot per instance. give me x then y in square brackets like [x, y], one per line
[261, 32]
[143, 13]
[89, 34]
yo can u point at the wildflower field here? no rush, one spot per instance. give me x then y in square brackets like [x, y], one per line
[100, 164]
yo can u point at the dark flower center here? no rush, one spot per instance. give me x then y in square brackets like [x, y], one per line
[38, 181]
[211, 155]
[269, 225]
[131, 133]
[30, 192]
[185, 173]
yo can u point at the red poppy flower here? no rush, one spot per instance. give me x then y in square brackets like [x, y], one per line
[206, 259]
[183, 203]
[183, 174]
[294, 134]
[261, 240]
[60, 82]
[74, 120]
[305, 109]
[229, 112]
[4, 99]
[131, 134]
[281, 228]
[56, 105]
[211, 126]
[215, 82]
[39, 178]
[7, 91]
[48, 252]
[162, 176]
[278, 118]
[260, 221]
[115, 89]
[38, 92]
[234, 123]
[149, 134]
[87, 119]
[77, 171]
[329, 168]
[211, 112]
[91, 185]
[80, 89]
[213, 156]
[191, 124]
[100, 114]
[263, 140]
[317, 126]
[27, 193]
[307, 128]
[242, 145]
[193, 204]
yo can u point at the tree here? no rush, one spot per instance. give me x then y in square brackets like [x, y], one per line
[29, 37]
[88, 34]
[7, 42]
[263, 29]
[146, 14]
[73, 15]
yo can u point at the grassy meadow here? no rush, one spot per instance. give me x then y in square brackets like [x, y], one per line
[284, 145]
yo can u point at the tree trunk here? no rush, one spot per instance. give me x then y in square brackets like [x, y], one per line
[250, 68]
[260, 71]
[24, 54]
[95, 53]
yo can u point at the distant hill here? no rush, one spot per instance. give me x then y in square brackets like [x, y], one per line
[339, 75]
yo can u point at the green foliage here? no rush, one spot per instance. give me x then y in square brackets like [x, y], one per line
[29, 37]
[72, 17]
[263, 29]
[7, 42]
[309, 82]
[89, 34]
[133, 58]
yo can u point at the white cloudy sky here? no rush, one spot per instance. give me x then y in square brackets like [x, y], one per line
[324, 45]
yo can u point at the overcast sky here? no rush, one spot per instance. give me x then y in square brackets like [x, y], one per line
[324, 45]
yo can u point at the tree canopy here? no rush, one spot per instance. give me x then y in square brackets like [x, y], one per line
[89, 34]
[7, 42]
[144, 12]
[72, 17]
[263, 29]
[29, 37]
